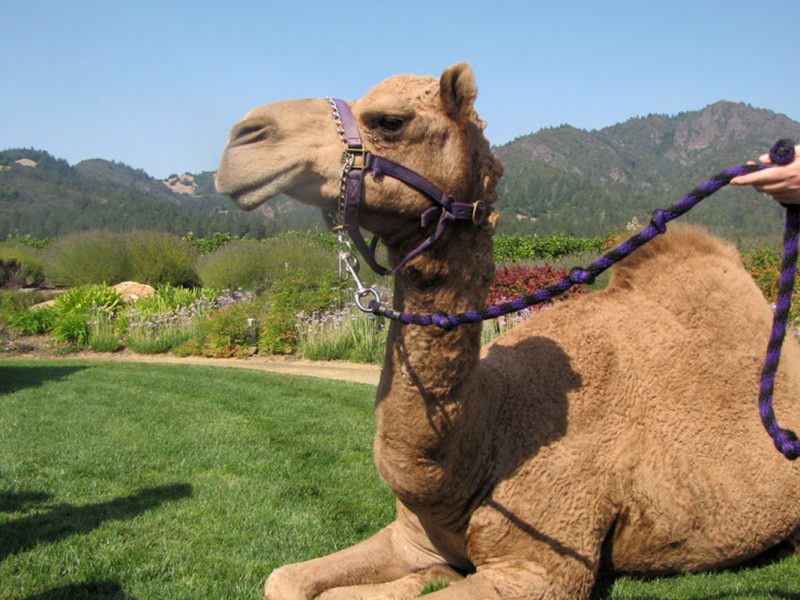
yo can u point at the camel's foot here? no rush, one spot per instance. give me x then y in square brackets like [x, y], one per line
[288, 583]
[404, 588]
[395, 554]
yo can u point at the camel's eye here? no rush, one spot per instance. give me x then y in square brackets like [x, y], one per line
[390, 123]
[386, 122]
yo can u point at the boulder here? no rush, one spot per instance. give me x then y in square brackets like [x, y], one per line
[131, 290]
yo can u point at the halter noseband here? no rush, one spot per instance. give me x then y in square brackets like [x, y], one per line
[356, 161]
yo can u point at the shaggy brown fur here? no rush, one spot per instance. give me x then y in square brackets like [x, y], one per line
[624, 422]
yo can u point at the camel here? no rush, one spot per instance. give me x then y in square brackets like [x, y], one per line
[618, 430]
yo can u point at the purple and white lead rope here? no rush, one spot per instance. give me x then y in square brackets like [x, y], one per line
[781, 153]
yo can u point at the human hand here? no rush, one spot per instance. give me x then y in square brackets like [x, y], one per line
[780, 182]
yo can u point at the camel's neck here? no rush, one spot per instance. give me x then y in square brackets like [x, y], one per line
[430, 421]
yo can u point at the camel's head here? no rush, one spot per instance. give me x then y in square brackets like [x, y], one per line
[425, 124]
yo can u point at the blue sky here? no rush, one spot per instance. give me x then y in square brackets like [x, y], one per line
[158, 84]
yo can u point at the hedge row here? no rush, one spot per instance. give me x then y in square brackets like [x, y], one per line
[157, 258]
[515, 248]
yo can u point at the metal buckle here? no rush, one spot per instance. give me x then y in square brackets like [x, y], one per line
[479, 206]
[355, 154]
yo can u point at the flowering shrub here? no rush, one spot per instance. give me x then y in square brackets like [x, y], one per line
[230, 330]
[343, 334]
[155, 333]
[513, 282]
[103, 336]
[291, 294]
[155, 326]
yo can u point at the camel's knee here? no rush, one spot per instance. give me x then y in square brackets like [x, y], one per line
[285, 583]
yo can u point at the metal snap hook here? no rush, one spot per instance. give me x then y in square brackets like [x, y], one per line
[376, 298]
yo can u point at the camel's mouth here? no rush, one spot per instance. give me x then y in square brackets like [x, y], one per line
[249, 195]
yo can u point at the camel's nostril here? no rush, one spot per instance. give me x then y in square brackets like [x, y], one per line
[248, 132]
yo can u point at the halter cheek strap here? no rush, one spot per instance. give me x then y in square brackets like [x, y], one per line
[357, 161]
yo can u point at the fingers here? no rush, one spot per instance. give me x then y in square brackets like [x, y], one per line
[757, 178]
[782, 175]
[787, 197]
[771, 188]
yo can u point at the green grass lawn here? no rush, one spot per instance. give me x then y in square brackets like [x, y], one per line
[133, 481]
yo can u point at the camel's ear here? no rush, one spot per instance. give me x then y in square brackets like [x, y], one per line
[458, 90]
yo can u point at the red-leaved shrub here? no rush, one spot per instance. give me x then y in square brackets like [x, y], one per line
[514, 281]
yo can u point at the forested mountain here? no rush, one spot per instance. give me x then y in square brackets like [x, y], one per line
[588, 182]
[44, 196]
[560, 179]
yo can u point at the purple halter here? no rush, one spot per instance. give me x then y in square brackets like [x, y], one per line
[356, 161]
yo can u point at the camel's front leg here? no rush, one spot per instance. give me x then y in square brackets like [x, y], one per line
[506, 580]
[396, 551]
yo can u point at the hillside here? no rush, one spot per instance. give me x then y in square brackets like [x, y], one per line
[588, 182]
[560, 179]
[44, 196]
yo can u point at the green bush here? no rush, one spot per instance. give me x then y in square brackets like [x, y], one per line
[92, 298]
[241, 264]
[209, 244]
[14, 301]
[87, 258]
[21, 265]
[76, 310]
[295, 292]
[71, 327]
[158, 258]
[254, 266]
[326, 239]
[515, 248]
[33, 321]
[764, 265]
[29, 240]
[170, 298]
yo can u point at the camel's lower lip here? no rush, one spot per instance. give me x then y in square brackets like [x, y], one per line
[250, 197]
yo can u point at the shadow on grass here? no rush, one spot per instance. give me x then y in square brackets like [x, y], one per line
[66, 520]
[19, 501]
[90, 590]
[17, 377]
[605, 581]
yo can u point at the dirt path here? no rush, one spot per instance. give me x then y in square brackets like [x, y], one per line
[337, 370]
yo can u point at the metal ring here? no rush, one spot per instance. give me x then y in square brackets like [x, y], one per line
[368, 291]
[476, 207]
